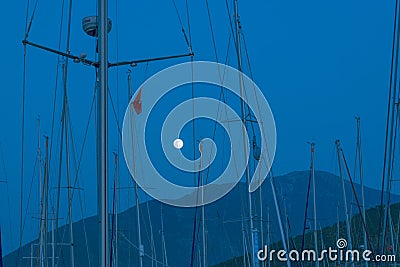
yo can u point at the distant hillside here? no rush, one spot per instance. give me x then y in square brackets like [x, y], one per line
[329, 236]
[224, 223]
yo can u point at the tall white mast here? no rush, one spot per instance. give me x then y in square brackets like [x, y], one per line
[268, 235]
[286, 220]
[41, 257]
[203, 215]
[278, 214]
[315, 202]
[261, 220]
[164, 247]
[338, 150]
[46, 202]
[322, 244]
[69, 186]
[337, 227]
[116, 206]
[253, 248]
[140, 245]
[359, 153]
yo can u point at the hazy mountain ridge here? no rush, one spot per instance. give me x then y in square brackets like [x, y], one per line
[223, 221]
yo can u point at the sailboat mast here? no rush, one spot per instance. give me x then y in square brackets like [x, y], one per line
[244, 243]
[278, 214]
[116, 204]
[66, 125]
[253, 248]
[46, 201]
[359, 153]
[203, 215]
[315, 202]
[53, 254]
[286, 220]
[40, 258]
[323, 245]
[392, 236]
[164, 248]
[261, 220]
[139, 236]
[338, 149]
[337, 227]
[102, 131]
[268, 235]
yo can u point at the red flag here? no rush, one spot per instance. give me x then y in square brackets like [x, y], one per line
[137, 103]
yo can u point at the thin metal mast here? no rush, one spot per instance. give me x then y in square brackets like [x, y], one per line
[390, 126]
[253, 257]
[203, 216]
[278, 214]
[349, 245]
[268, 235]
[67, 159]
[359, 153]
[323, 245]
[315, 202]
[53, 254]
[164, 248]
[337, 227]
[261, 221]
[286, 220]
[140, 245]
[392, 236]
[102, 146]
[40, 258]
[244, 243]
[46, 201]
[116, 202]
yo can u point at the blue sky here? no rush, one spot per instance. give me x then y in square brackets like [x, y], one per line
[319, 63]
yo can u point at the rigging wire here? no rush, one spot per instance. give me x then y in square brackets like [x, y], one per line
[395, 49]
[222, 91]
[116, 199]
[195, 225]
[56, 84]
[115, 113]
[305, 213]
[84, 141]
[54, 106]
[231, 24]
[145, 254]
[113, 210]
[27, 30]
[357, 202]
[23, 136]
[65, 127]
[188, 24]
[8, 194]
[29, 195]
[188, 43]
[78, 186]
[212, 31]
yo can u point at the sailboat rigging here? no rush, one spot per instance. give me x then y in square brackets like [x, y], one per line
[252, 224]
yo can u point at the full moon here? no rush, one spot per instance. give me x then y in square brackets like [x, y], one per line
[178, 143]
